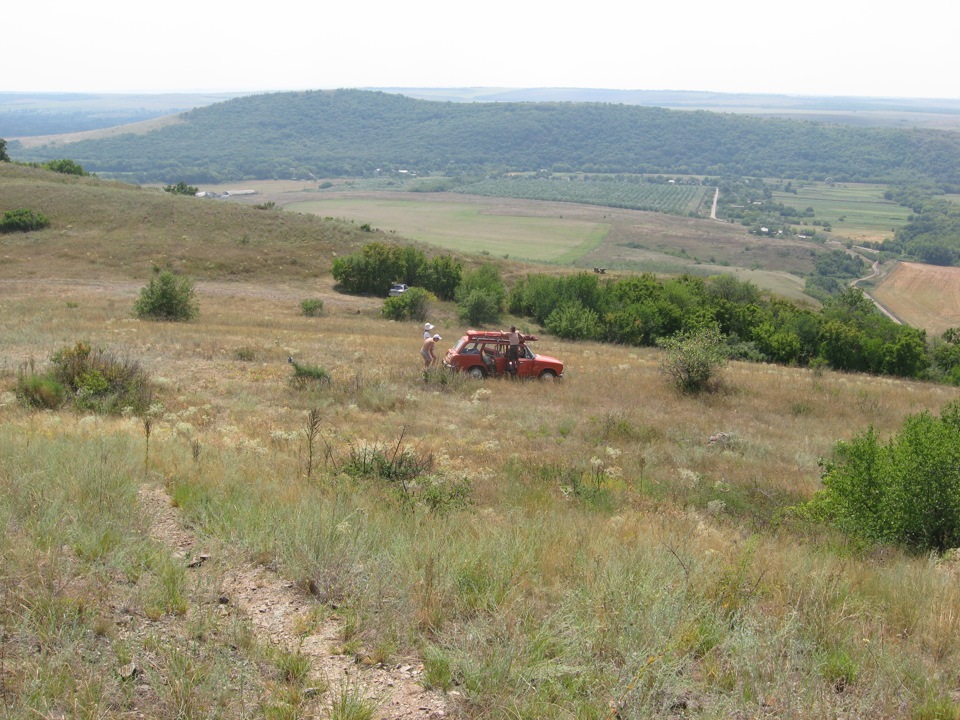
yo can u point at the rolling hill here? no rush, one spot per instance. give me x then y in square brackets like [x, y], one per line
[353, 132]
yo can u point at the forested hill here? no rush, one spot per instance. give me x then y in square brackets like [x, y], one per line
[354, 132]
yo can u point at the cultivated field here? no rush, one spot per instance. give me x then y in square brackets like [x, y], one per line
[856, 212]
[468, 227]
[925, 296]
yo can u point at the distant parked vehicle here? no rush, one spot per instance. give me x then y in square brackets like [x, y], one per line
[483, 353]
[398, 289]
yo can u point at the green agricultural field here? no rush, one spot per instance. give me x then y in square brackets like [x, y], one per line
[464, 227]
[855, 211]
[633, 194]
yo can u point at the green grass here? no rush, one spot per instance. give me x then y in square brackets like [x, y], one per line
[464, 227]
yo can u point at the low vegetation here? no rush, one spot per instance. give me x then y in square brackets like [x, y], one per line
[312, 307]
[86, 378]
[905, 491]
[22, 220]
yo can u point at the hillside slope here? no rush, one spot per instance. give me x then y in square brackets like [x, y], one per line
[105, 229]
[353, 132]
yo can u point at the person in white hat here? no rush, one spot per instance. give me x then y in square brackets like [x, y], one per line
[427, 327]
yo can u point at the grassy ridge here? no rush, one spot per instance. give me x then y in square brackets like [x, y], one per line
[100, 227]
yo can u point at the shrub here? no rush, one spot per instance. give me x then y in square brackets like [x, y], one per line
[572, 321]
[66, 167]
[90, 378]
[305, 374]
[167, 296]
[99, 381]
[905, 492]
[181, 188]
[22, 220]
[411, 305]
[693, 358]
[312, 308]
[478, 308]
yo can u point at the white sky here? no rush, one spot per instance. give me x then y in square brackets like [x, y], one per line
[816, 47]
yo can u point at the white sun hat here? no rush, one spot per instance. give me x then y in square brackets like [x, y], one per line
[427, 326]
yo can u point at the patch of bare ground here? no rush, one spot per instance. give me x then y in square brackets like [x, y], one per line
[285, 615]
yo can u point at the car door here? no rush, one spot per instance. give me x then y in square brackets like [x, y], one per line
[526, 365]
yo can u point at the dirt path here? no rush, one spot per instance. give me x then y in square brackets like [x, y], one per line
[874, 272]
[279, 612]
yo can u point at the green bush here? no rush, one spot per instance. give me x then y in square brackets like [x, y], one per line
[167, 296]
[481, 296]
[90, 378]
[411, 305]
[572, 321]
[312, 308]
[22, 220]
[99, 381]
[478, 308]
[905, 492]
[693, 358]
[66, 167]
[181, 188]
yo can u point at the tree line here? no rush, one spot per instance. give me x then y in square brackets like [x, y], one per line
[847, 334]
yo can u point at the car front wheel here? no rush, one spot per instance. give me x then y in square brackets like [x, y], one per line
[476, 372]
[548, 375]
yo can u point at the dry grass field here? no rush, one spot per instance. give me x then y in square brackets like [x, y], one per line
[925, 296]
[401, 544]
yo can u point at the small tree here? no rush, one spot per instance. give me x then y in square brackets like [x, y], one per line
[693, 358]
[181, 188]
[167, 296]
[3, 151]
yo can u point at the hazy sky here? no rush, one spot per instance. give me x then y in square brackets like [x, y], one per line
[816, 47]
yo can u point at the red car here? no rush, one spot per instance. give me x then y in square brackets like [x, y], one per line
[483, 353]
